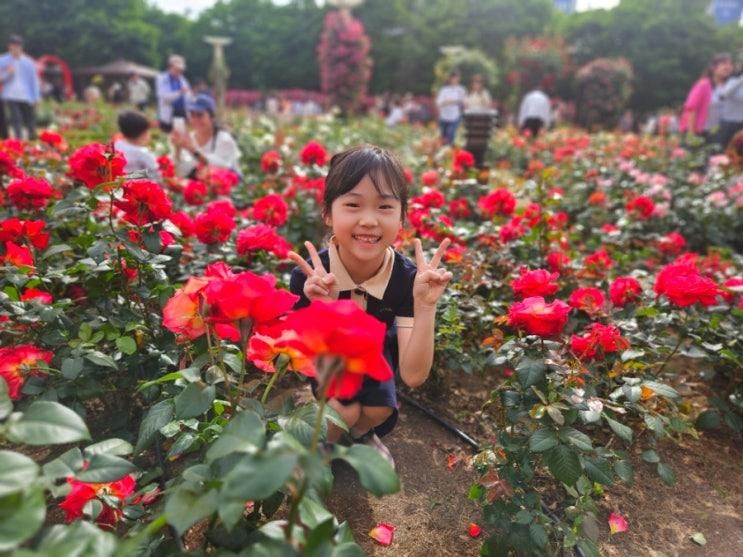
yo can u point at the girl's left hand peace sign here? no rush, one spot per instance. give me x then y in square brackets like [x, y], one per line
[430, 281]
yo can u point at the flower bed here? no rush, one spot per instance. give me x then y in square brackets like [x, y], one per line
[583, 265]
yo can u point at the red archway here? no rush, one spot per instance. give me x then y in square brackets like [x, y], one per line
[46, 59]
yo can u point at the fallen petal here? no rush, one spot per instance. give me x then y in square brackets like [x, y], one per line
[617, 523]
[474, 530]
[382, 534]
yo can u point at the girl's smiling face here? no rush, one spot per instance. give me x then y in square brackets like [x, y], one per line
[365, 223]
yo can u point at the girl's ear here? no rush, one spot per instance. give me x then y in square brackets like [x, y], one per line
[327, 219]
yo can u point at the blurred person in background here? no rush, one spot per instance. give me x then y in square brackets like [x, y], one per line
[172, 90]
[450, 102]
[701, 113]
[21, 90]
[205, 143]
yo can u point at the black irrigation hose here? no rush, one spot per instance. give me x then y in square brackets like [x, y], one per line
[472, 443]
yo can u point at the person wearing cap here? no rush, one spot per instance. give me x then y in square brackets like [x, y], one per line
[21, 90]
[204, 143]
[172, 90]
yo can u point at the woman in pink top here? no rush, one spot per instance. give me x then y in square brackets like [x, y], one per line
[697, 106]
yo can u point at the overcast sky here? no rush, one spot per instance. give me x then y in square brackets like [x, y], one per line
[194, 7]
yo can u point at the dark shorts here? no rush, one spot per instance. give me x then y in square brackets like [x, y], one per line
[374, 393]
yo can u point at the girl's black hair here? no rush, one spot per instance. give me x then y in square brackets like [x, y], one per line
[348, 168]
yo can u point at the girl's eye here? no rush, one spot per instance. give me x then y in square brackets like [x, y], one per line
[386, 207]
[354, 205]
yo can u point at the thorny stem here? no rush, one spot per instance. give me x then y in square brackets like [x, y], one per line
[682, 337]
[271, 382]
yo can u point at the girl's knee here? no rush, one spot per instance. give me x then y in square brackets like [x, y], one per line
[349, 412]
[376, 414]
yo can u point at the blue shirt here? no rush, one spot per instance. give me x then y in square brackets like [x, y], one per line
[23, 84]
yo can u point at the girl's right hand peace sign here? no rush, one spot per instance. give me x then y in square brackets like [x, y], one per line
[320, 285]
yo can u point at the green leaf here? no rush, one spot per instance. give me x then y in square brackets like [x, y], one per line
[523, 517]
[650, 456]
[104, 468]
[66, 464]
[245, 432]
[55, 249]
[6, 404]
[621, 430]
[538, 535]
[157, 416]
[655, 424]
[185, 507]
[72, 367]
[17, 472]
[530, 372]
[85, 332]
[117, 447]
[628, 355]
[194, 400]
[301, 422]
[21, 515]
[709, 420]
[542, 440]
[662, 390]
[258, 476]
[101, 359]
[375, 473]
[48, 423]
[576, 438]
[127, 345]
[666, 473]
[698, 538]
[598, 470]
[625, 471]
[564, 464]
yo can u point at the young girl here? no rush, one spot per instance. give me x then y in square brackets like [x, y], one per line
[364, 204]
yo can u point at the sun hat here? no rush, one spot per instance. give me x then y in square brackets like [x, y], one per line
[201, 103]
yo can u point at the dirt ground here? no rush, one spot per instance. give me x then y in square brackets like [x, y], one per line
[431, 512]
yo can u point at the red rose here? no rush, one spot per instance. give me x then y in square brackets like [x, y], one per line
[535, 283]
[641, 206]
[195, 192]
[343, 341]
[30, 193]
[671, 244]
[20, 256]
[732, 287]
[591, 300]
[271, 209]
[430, 178]
[248, 296]
[106, 493]
[460, 208]
[537, 317]
[598, 262]
[624, 290]
[512, 230]
[682, 284]
[36, 294]
[499, 202]
[262, 237]
[216, 223]
[166, 166]
[95, 164]
[431, 198]
[270, 162]
[221, 180]
[144, 202]
[408, 175]
[313, 153]
[463, 159]
[18, 362]
[184, 223]
[52, 139]
[557, 261]
[598, 341]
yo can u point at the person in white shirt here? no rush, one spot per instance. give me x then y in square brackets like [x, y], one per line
[135, 128]
[535, 112]
[450, 102]
[478, 98]
[139, 91]
[205, 143]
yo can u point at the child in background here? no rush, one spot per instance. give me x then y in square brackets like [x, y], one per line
[365, 203]
[135, 128]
